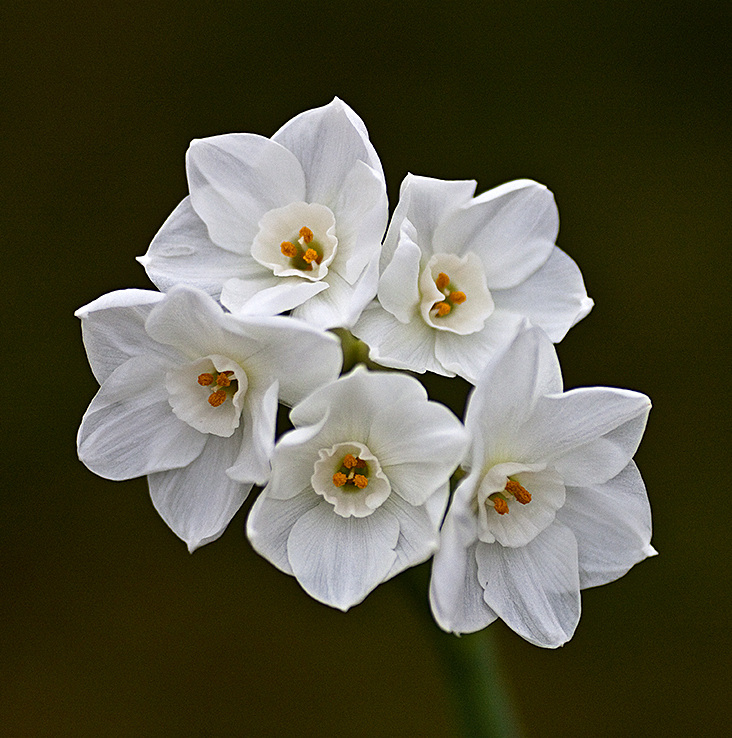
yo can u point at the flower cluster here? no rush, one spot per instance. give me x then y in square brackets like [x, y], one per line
[280, 241]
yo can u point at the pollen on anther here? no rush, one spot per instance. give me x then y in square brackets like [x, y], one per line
[339, 479]
[360, 481]
[306, 234]
[350, 461]
[442, 281]
[205, 379]
[457, 297]
[288, 249]
[442, 309]
[521, 494]
[310, 256]
[500, 505]
[223, 379]
[217, 398]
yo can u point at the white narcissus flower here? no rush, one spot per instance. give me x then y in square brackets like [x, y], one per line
[291, 222]
[189, 397]
[359, 488]
[551, 504]
[460, 274]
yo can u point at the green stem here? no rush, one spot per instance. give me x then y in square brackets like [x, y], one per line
[471, 667]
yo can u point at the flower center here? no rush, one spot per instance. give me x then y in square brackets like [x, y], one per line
[354, 471]
[208, 393]
[221, 384]
[453, 296]
[514, 490]
[297, 240]
[304, 251]
[350, 478]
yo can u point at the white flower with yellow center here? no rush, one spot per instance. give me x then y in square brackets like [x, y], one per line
[294, 222]
[552, 502]
[359, 488]
[460, 274]
[189, 397]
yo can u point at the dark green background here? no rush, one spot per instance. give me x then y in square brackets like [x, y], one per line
[108, 626]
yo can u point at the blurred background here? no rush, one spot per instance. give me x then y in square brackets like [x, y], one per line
[107, 625]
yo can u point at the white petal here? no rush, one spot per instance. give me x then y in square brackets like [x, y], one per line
[398, 345]
[419, 535]
[509, 387]
[426, 202]
[294, 459]
[456, 597]
[261, 293]
[368, 392]
[198, 501]
[534, 589]
[553, 297]
[182, 251]
[270, 522]
[235, 179]
[327, 141]
[612, 525]
[341, 304]
[512, 228]
[469, 355]
[258, 433]
[129, 429]
[399, 284]
[338, 560]
[419, 445]
[113, 329]
[286, 294]
[275, 347]
[589, 434]
[361, 215]
[189, 320]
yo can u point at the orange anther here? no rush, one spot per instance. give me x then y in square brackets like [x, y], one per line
[217, 398]
[360, 481]
[205, 379]
[339, 479]
[442, 281]
[223, 379]
[288, 249]
[306, 234]
[520, 493]
[349, 461]
[500, 505]
[310, 256]
[457, 297]
[442, 309]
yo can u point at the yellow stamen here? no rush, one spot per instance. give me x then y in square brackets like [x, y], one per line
[288, 249]
[223, 379]
[457, 297]
[442, 308]
[310, 255]
[339, 479]
[360, 481]
[205, 379]
[217, 398]
[500, 505]
[442, 281]
[519, 492]
[350, 461]
[306, 234]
